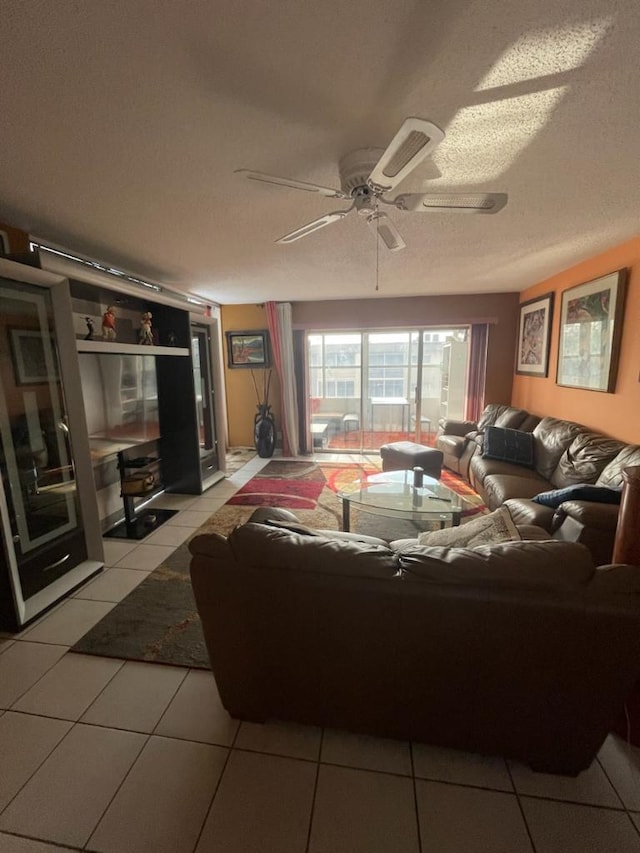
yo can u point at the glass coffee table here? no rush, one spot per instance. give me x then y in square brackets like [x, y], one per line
[393, 495]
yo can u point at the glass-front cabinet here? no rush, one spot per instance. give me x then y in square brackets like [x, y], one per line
[42, 520]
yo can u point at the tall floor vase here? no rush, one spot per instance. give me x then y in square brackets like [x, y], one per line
[264, 431]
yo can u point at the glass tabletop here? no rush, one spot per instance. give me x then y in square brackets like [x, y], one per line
[393, 493]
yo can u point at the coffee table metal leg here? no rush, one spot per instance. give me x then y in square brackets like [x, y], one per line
[345, 515]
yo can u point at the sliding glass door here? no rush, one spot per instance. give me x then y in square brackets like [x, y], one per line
[370, 387]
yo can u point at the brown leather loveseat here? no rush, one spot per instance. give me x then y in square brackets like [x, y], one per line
[564, 454]
[521, 649]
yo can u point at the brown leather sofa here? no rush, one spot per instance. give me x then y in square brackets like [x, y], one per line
[565, 453]
[521, 649]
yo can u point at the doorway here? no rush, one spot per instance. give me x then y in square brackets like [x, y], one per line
[367, 388]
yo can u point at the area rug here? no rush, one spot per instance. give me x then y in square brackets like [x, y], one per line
[158, 621]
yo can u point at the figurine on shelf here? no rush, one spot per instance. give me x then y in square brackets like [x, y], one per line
[109, 324]
[173, 341]
[145, 336]
[90, 325]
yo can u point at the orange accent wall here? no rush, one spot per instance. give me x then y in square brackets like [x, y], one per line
[241, 396]
[616, 414]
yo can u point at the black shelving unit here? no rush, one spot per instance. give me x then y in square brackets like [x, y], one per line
[140, 521]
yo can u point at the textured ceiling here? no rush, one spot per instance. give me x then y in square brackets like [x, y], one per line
[123, 123]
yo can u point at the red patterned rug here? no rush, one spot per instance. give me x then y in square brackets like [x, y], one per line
[298, 485]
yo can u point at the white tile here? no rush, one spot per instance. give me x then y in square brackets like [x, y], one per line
[115, 550]
[367, 753]
[209, 505]
[263, 804]
[164, 800]
[25, 742]
[568, 828]
[136, 697]
[66, 797]
[67, 690]
[621, 762]
[357, 811]
[4, 644]
[145, 557]
[277, 738]
[112, 585]
[16, 844]
[455, 819]
[22, 665]
[196, 713]
[168, 535]
[462, 768]
[591, 786]
[69, 622]
[189, 518]
[168, 501]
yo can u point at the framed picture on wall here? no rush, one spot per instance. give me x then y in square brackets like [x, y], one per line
[534, 336]
[248, 349]
[590, 333]
[28, 355]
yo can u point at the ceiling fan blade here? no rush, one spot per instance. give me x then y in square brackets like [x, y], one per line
[310, 227]
[291, 183]
[416, 139]
[462, 203]
[384, 228]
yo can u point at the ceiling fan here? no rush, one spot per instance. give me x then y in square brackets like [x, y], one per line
[368, 174]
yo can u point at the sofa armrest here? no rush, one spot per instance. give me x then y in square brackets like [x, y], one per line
[589, 513]
[450, 427]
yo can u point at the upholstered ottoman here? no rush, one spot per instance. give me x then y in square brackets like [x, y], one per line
[405, 455]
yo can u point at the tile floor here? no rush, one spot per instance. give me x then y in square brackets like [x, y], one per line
[126, 757]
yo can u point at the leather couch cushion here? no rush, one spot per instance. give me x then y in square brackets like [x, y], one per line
[552, 437]
[596, 516]
[484, 467]
[499, 488]
[547, 565]
[264, 546]
[612, 473]
[585, 458]
[525, 512]
[451, 445]
[498, 414]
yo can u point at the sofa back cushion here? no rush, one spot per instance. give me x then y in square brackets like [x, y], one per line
[269, 547]
[584, 459]
[552, 436]
[497, 414]
[534, 564]
[611, 474]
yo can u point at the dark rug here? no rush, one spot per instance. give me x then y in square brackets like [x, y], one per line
[158, 621]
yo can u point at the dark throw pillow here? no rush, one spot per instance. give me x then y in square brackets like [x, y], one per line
[508, 445]
[579, 492]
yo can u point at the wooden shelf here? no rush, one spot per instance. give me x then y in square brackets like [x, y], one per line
[128, 349]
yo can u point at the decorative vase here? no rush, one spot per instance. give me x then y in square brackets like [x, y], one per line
[264, 431]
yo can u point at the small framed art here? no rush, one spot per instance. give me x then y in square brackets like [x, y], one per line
[534, 336]
[248, 349]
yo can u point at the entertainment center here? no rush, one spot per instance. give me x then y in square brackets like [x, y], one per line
[81, 409]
